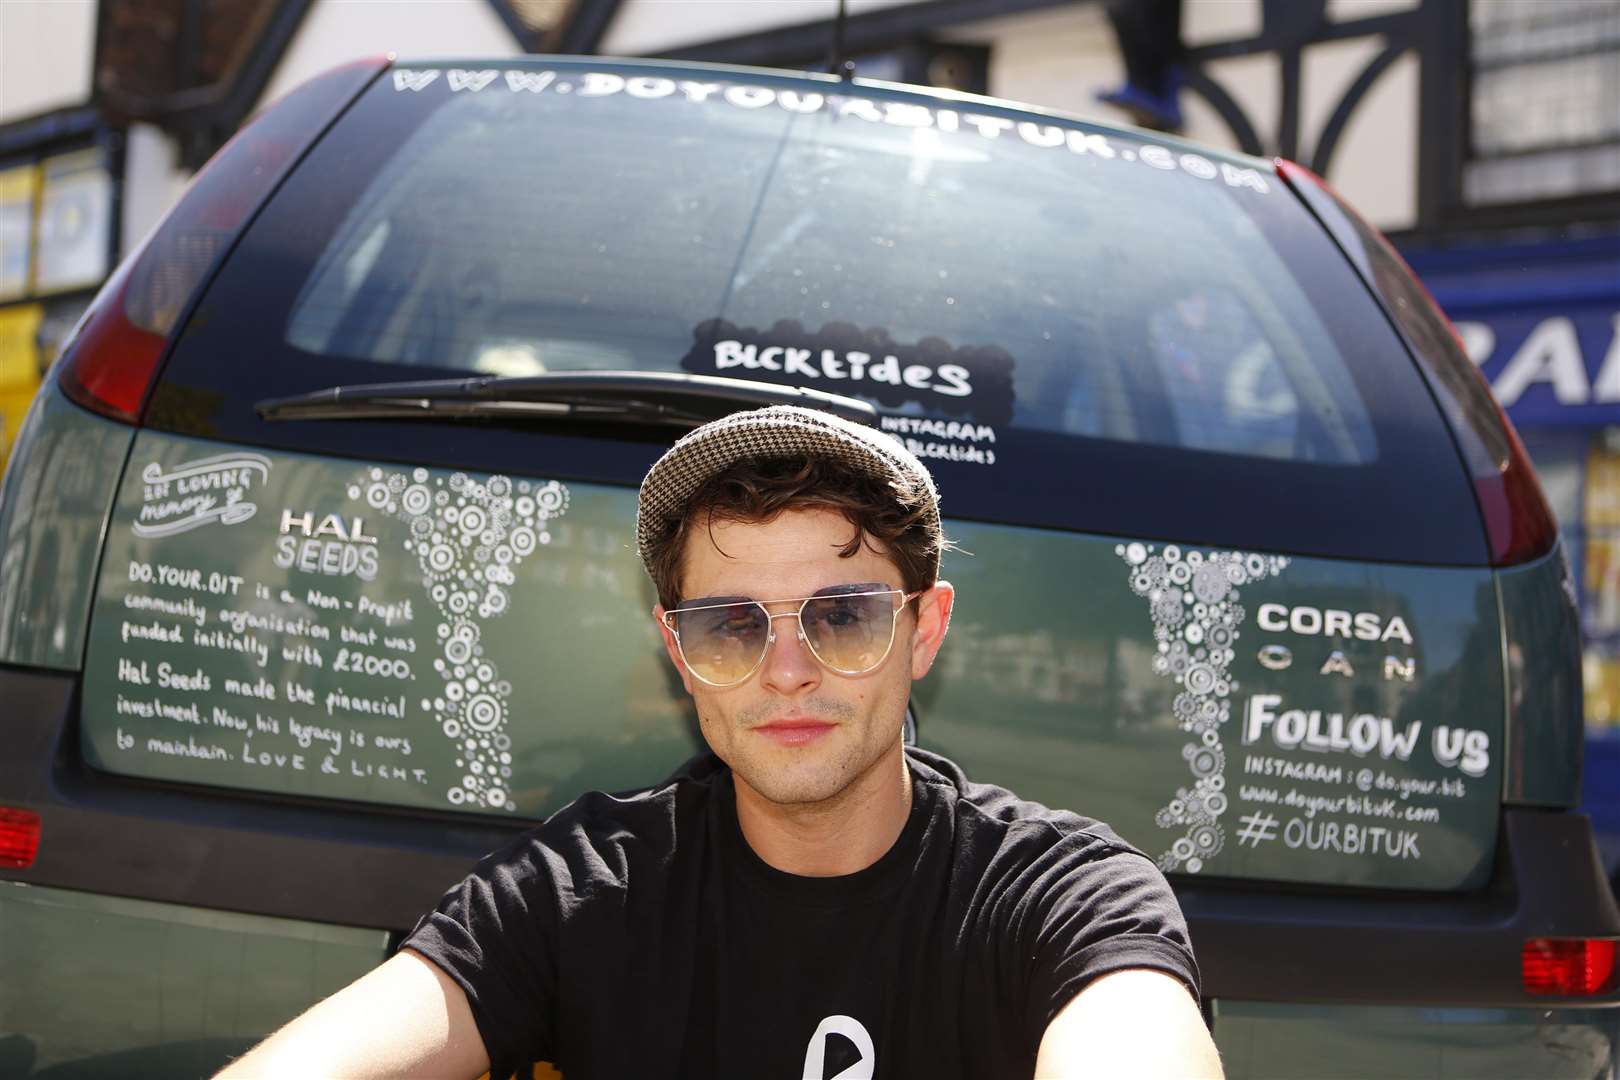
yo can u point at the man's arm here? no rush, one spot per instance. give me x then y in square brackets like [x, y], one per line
[1137, 1023]
[404, 1018]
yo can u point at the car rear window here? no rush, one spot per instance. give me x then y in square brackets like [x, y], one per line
[1080, 328]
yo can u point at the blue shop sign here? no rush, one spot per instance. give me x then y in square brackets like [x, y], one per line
[1541, 320]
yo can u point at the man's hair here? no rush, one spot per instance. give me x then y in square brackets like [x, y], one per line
[758, 492]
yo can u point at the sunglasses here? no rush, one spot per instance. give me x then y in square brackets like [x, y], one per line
[848, 628]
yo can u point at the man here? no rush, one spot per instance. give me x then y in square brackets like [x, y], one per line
[813, 899]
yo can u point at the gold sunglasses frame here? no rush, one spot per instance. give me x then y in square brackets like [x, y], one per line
[797, 614]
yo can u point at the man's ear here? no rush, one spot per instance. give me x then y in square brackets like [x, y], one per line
[671, 647]
[933, 619]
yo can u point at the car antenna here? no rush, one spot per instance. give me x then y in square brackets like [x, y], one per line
[844, 69]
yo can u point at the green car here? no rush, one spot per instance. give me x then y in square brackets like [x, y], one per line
[317, 578]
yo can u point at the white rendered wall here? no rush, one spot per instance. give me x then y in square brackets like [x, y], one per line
[335, 31]
[152, 182]
[652, 26]
[1058, 58]
[47, 48]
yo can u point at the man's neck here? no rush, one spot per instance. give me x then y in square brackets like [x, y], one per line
[838, 836]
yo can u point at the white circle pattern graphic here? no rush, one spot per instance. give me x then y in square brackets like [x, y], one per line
[459, 525]
[1195, 628]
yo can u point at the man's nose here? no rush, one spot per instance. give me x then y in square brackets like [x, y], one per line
[790, 666]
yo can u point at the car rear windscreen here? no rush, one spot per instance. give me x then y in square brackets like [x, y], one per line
[1079, 329]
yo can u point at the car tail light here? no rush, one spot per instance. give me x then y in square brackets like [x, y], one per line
[111, 361]
[1574, 967]
[1519, 524]
[19, 838]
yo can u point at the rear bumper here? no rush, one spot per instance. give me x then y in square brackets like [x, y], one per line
[206, 847]
[328, 863]
[1260, 944]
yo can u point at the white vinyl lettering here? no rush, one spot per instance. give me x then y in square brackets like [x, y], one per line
[1201, 167]
[750, 97]
[647, 86]
[1249, 178]
[793, 101]
[1085, 142]
[698, 91]
[905, 114]
[1305, 620]
[988, 126]
[728, 354]
[532, 81]
[862, 108]
[600, 83]
[1273, 617]
[955, 378]
[798, 363]
[1041, 134]
[1158, 157]
[470, 80]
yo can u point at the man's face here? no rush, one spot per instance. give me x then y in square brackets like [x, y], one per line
[795, 732]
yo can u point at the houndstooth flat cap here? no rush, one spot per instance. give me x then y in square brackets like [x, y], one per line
[780, 431]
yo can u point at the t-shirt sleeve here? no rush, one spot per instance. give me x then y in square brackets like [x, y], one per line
[1099, 906]
[494, 933]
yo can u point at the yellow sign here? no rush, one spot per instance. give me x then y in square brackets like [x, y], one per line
[19, 369]
[16, 228]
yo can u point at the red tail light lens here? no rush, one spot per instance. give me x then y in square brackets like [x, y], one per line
[1518, 522]
[19, 838]
[1573, 967]
[111, 362]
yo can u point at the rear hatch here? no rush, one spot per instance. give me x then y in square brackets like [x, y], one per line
[1224, 581]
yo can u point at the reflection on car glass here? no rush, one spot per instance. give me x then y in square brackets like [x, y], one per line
[1223, 385]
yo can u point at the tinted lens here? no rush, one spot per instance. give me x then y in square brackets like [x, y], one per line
[723, 644]
[851, 634]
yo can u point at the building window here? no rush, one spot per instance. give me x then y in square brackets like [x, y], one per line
[1545, 116]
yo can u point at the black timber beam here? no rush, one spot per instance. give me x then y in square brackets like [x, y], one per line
[866, 32]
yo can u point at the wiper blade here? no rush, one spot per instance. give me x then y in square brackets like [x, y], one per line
[672, 399]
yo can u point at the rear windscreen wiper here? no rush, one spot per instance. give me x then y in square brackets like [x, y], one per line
[671, 399]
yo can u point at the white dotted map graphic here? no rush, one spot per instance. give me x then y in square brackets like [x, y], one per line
[469, 538]
[1193, 599]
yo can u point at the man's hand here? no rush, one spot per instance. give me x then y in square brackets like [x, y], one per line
[405, 1018]
[1135, 1023]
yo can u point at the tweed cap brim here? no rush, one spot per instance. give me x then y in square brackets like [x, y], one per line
[780, 431]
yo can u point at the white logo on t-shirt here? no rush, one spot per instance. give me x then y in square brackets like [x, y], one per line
[815, 1056]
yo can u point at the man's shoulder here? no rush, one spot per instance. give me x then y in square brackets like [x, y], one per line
[601, 834]
[655, 807]
[986, 812]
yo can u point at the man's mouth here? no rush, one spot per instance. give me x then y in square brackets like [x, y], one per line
[796, 732]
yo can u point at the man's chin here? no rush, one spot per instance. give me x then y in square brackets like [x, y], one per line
[791, 786]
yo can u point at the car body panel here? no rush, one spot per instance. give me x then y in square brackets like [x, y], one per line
[1541, 650]
[346, 630]
[1356, 1042]
[69, 459]
[132, 988]
[1054, 682]
[271, 680]
[1048, 683]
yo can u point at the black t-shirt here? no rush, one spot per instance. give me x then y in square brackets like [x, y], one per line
[640, 936]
